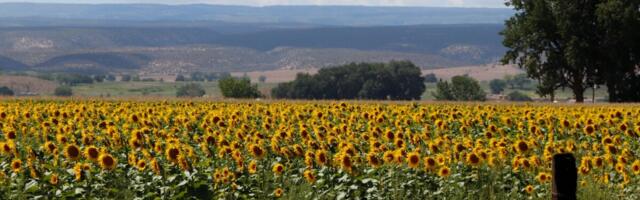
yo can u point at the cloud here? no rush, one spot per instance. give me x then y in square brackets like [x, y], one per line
[448, 3]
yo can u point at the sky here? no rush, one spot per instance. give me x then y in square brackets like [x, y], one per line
[438, 3]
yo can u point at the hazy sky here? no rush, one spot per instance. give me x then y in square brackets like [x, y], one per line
[448, 3]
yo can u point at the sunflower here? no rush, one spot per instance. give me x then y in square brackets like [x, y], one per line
[155, 166]
[16, 165]
[389, 157]
[172, 153]
[529, 189]
[620, 168]
[54, 179]
[309, 157]
[91, 153]
[72, 152]
[413, 159]
[584, 170]
[183, 163]
[543, 177]
[597, 161]
[473, 159]
[141, 165]
[277, 169]
[321, 157]
[429, 163]
[253, 167]
[346, 162]
[49, 147]
[589, 129]
[278, 192]
[107, 162]
[309, 176]
[444, 171]
[521, 146]
[256, 151]
[635, 167]
[373, 160]
[78, 172]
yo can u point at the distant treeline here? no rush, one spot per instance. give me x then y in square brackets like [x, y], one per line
[396, 80]
[201, 76]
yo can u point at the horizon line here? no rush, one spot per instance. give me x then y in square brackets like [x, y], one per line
[261, 6]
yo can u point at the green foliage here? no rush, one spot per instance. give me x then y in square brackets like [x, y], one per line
[576, 44]
[126, 78]
[180, 78]
[519, 81]
[497, 86]
[63, 91]
[190, 90]
[430, 78]
[238, 88]
[73, 79]
[5, 91]
[461, 88]
[99, 78]
[110, 77]
[397, 80]
[518, 96]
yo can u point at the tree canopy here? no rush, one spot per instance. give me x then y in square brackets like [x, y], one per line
[238, 88]
[396, 80]
[461, 88]
[5, 91]
[190, 90]
[576, 44]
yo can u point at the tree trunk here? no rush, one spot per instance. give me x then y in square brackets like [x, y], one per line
[578, 92]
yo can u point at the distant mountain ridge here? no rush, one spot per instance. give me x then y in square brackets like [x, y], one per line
[317, 15]
[102, 49]
[172, 39]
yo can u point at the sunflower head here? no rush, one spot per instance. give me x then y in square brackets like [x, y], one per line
[413, 159]
[473, 159]
[309, 176]
[16, 165]
[72, 152]
[253, 167]
[107, 161]
[444, 171]
[529, 189]
[278, 169]
[141, 165]
[92, 153]
[54, 179]
[278, 192]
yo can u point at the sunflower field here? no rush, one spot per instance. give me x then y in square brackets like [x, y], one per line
[56, 149]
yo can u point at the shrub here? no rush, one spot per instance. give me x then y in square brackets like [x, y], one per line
[461, 88]
[497, 86]
[190, 90]
[518, 96]
[238, 88]
[63, 91]
[5, 91]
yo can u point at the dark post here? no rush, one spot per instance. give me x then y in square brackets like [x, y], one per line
[565, 177]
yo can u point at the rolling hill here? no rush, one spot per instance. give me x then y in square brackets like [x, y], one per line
[171, 39]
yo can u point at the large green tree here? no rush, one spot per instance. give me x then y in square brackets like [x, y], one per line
[575, 44]
[619, 53]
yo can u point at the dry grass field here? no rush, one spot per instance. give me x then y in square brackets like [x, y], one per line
[27, 84]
